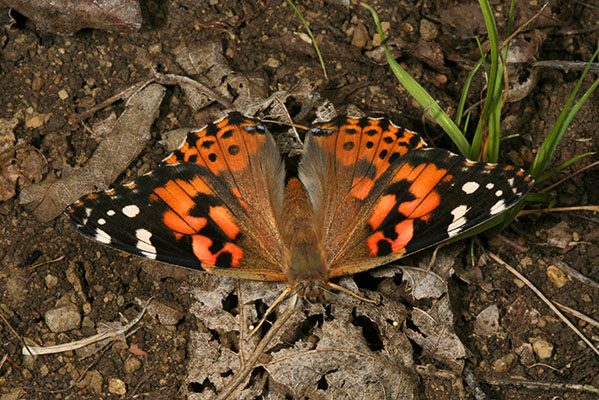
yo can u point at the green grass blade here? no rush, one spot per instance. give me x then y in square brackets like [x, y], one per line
[464, 96]
[557, 133]
[564, 165]
[559, 128]
[299, 14]
[421, 96]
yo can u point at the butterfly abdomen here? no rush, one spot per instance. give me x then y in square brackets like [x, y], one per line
[305, 260]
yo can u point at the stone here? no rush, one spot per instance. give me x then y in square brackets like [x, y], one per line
[117, 386]
[63, 318]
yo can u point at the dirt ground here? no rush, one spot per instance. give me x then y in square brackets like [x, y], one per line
[526, 351]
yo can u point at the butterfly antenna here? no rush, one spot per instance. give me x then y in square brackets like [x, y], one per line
[351, 293]
[279, 299]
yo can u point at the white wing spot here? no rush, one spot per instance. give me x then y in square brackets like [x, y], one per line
[470, 187]
[130, 211]
[102, 236]
[110, 213]
[143, 243]
[498, 193]
[511, 181]
[101, 221]
[458, 219]
[490, 186]
[514, 190]
[498, 207]
[88, 212]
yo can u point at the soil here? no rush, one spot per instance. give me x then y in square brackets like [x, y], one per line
[46, 79]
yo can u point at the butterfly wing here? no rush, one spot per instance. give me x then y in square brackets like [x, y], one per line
[422, 197]
[213, 206]
[343, 161]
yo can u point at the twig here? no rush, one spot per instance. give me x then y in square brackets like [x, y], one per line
[116, 97]
[578, 314]
[559, 209]
[251, 361]
[241, 324]
[546, 300]
[473, 384]
[509, 242]
[164, 79]
[540, 385]
[14, 332]
[255, 15]
[567, 65]
[575, 274]
[35, 350]
[172, 79]
[141, 381]
[31, 268]
[570, 176]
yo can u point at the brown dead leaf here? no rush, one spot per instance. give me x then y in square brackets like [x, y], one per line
[434, 333]
[342, 358]
[207, 65]
[66, 17]
[49, 198]
[487, 323]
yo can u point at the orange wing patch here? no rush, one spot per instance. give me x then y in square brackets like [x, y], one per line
[183, 198]
[365, 148]
[224, 145]
[422, 180]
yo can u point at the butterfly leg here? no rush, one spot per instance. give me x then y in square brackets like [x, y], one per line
[351, 293]
[279, 299]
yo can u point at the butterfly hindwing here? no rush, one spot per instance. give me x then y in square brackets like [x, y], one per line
[243, 155]
[343, 161]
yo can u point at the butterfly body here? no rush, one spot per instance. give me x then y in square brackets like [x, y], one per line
[367, 193]
[305, 258]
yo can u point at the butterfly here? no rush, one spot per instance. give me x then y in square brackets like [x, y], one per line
[367, 193]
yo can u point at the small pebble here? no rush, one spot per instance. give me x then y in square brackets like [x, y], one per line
[37, 83]
[116, 386]
[62, 94]
[63, 318]
[542, 348]
[51, 281]
[131, 365]
[505, 363]
[272, 63]
[556, 276]
[360, 36]
[428, 30]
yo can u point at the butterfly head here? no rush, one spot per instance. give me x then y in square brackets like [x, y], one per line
[310, 290]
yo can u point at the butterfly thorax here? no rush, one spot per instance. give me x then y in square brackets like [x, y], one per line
[304, 260]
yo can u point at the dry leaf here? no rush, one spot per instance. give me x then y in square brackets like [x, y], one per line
[114, 154]
[68, 16]
[435, 334]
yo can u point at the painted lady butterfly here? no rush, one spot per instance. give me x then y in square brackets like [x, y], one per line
[367, 193]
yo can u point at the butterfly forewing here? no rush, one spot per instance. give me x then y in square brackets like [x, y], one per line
[212, 206]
